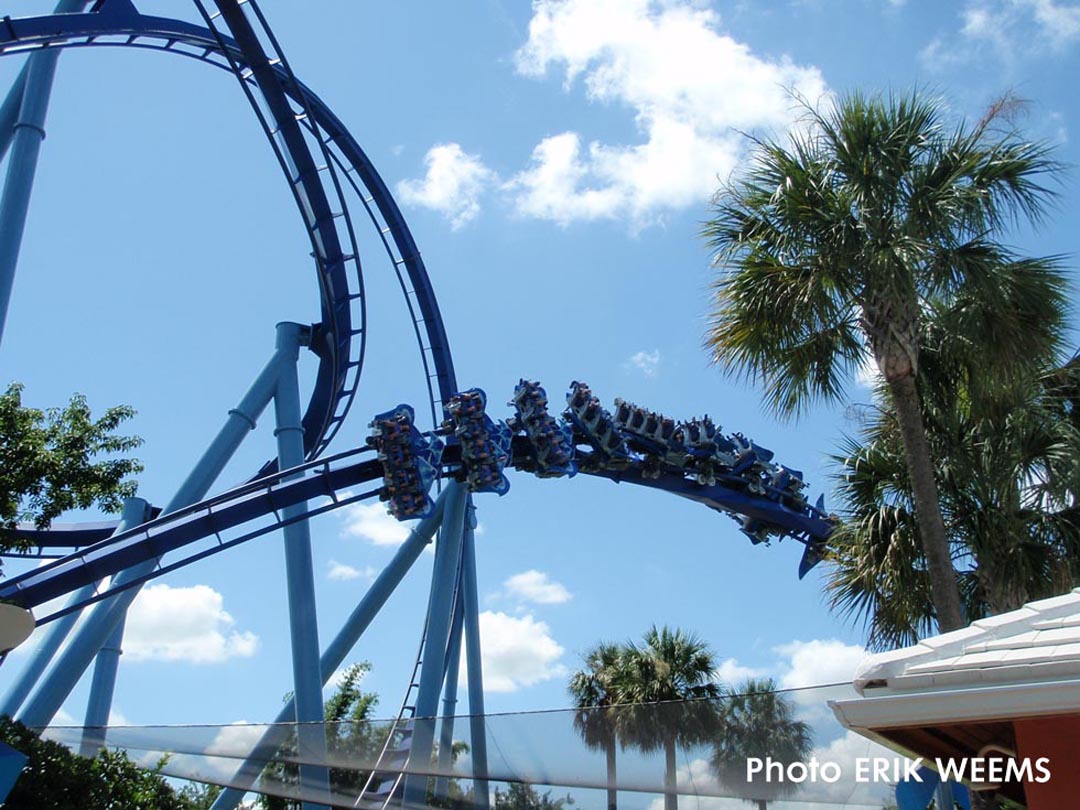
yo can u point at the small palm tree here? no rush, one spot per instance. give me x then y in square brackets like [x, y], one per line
[592, 690]
[759, 722]
[1008, 463]
[839, 242]
[674, 669]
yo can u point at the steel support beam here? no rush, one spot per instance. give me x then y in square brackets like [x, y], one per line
[92, 636]
[433, 668]
[340, 647]
[24, 137]
[303, 617]
[103, 684]
[102, 687]
[134, 513]
[477, 727]
[449, 704]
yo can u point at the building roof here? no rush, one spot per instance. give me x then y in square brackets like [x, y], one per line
[1038, 642]
[1020, 664]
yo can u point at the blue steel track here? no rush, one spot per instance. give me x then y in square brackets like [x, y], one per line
[323, 164]
[118, 24]
[323, 478]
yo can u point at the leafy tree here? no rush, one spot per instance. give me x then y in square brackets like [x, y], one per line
[838, 242]
[519, 796]
[199, 796]
[349, 734]
[757, 721]
[664, 690]
[592, 692]
[48, 461]
[457, 797]
[55, 778]
[1008, 466]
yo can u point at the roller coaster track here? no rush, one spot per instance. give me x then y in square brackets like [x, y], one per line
[321, 160]
[265, 498]
[324, 165]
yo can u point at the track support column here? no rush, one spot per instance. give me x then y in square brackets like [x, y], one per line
[477, 727]
[25, 139]
[433, 668]
[303, 617]
[108, 661]
[340, 647]
[134, 513]
[449, 704]
[69, 668]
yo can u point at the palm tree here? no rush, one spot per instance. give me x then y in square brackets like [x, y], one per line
[674, 669]
[838, 243]
[591, 689]
[1009, 473]
[759, 722]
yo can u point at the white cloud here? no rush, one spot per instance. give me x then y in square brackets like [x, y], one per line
[343, 573]
[812, 665]
[1009, 29]
[732, 673]
[371, 522]
[688, 86]
[819, 663]
[222, 756]
[697, 776]
[536, 586]
[184, 624]
[868, 375]
[517, 652]
[452, 184]
[648, 363]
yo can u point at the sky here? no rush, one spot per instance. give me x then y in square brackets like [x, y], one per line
[555, 162]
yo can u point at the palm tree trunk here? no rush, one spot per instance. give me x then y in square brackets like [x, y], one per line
[671, 798]
[943, 587]
[612, 793]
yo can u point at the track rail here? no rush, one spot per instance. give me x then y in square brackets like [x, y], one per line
[327, 150]
[263, 499]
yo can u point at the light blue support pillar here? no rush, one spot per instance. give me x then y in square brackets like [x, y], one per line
[26, 136]
[101, 693]
[334, 656]
[9, 110]
[477, 728]
[105, 668]
[433, 668]
[303, 618]
[449, 704]
[134, 513]
[95, 632]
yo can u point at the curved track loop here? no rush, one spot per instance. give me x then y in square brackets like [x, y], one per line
[118, 23]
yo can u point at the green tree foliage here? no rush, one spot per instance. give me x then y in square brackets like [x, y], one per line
[349, 734]
[519, 796]
[658, 695]
[55, 778]
[838, 242]
[757, 721]
[593, 692]
[50, 461]
[1008, 467]
[198, 796]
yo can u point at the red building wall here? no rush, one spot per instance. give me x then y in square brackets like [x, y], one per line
[1059, 739]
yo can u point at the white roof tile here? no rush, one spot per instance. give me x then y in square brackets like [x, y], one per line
[1040, 640]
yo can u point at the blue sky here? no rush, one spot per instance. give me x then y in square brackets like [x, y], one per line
[555, 162]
